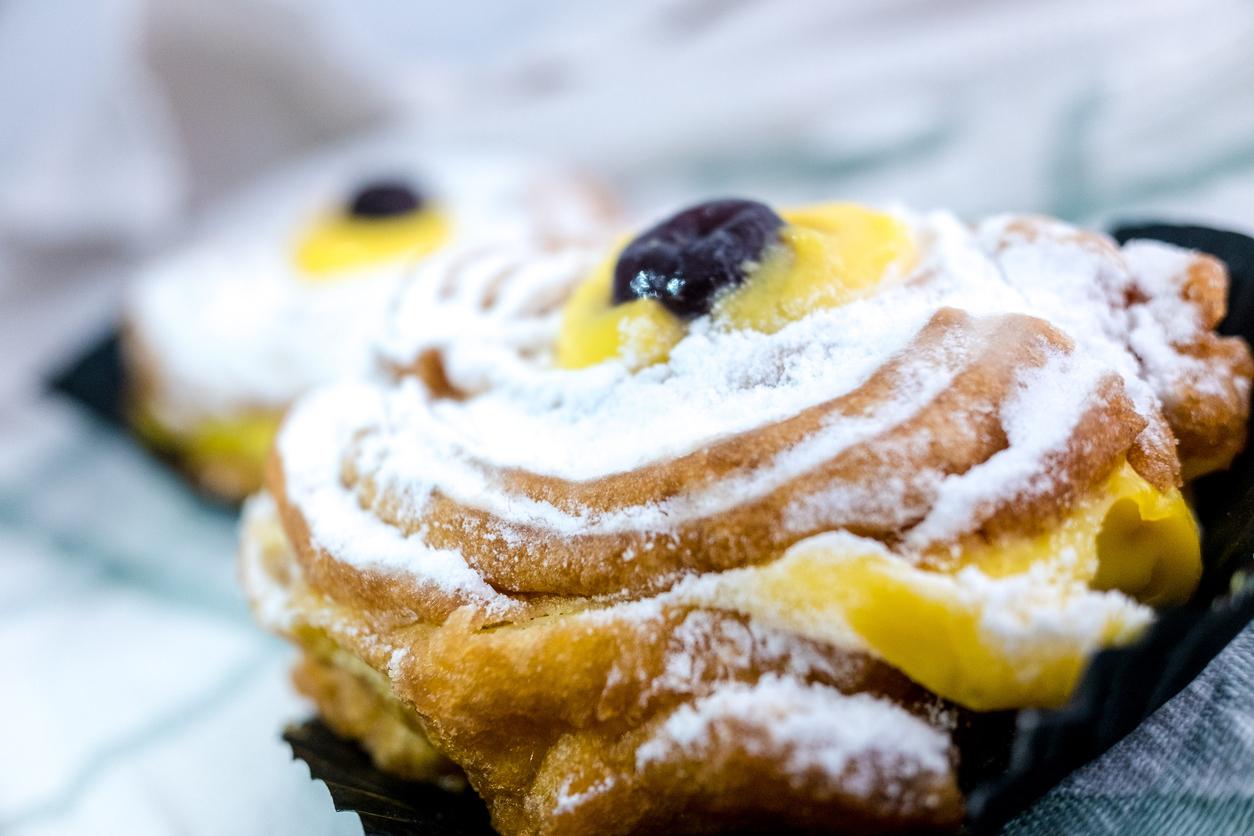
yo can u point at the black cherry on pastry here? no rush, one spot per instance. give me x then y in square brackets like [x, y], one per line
[687, 259]
[384, 199]
[743, 263]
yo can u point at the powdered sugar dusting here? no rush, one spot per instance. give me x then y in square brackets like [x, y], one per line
[567, 800]
[1164, 321]
[1034, 619]
[1061, 390]
[583, 424]
[854, 741]
[310, 444]
[419, 440]
[705, 644]
[491, 310]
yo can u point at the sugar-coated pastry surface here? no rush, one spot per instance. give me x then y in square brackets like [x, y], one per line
[727, 536]
[285, 288]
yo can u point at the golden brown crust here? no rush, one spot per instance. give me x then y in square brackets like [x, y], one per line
[1206, 288]
[1210, 420]
[360, 707]
[537, 711]
[1206, 404]
[733, 782]
[388, 598]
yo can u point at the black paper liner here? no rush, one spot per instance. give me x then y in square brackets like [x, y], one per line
[386, 805]
[1010, 759]
[96, 380]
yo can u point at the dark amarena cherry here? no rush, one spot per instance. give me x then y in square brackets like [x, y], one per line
[687, 259]
[384, 199]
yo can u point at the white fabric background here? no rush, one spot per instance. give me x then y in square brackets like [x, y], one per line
[136, 697]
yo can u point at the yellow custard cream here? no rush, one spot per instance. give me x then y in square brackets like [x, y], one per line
[229, 453]
[826, 255]
[341, 244]
[1006, 625]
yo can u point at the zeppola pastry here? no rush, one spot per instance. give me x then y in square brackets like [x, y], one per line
[289, 289]
[731, 526]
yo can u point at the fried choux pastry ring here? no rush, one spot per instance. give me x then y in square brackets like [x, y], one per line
[726, 527]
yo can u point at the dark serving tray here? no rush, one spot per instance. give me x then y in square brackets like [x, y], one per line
[1120, 688]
